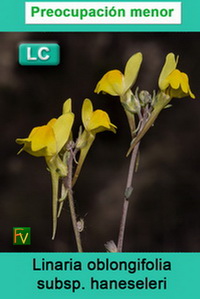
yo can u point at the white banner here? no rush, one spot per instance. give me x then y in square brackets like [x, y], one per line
[103, 13]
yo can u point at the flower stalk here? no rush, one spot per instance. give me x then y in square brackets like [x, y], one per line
[142, 109]
[127, 194]
[68, 185]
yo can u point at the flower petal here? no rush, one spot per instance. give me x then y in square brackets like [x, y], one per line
[175, 79]
[43, 137]
[40, 142]
[51, 122]
[191, 94]
[99, 122]
[99, 118]
[67, 106]
[62, 129]
[131, 70]
[87, 110]
[169, 66]
[112, 83]
[184, 83]
[27, 145]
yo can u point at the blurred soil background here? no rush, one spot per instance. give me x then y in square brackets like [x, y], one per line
[164, 212]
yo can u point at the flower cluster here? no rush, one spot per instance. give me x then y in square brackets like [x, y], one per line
[50, 141]
[172, 84]
[54, 140]
[171, 80]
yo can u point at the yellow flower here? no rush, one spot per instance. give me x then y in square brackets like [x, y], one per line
[48, 140]
[95, 121]
[112, 82]
[173, 84]
[117, 84]
[172, 81]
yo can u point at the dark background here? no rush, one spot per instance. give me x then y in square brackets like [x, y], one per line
[165, 206]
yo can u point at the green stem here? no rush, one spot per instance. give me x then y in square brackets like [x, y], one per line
[127, 195]
[68, 183]
[74, 222]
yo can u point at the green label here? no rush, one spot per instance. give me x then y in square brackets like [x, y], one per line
[21, 235]
[39, 54]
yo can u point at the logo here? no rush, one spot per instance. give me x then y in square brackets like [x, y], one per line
[21, 235]
[39, 54]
